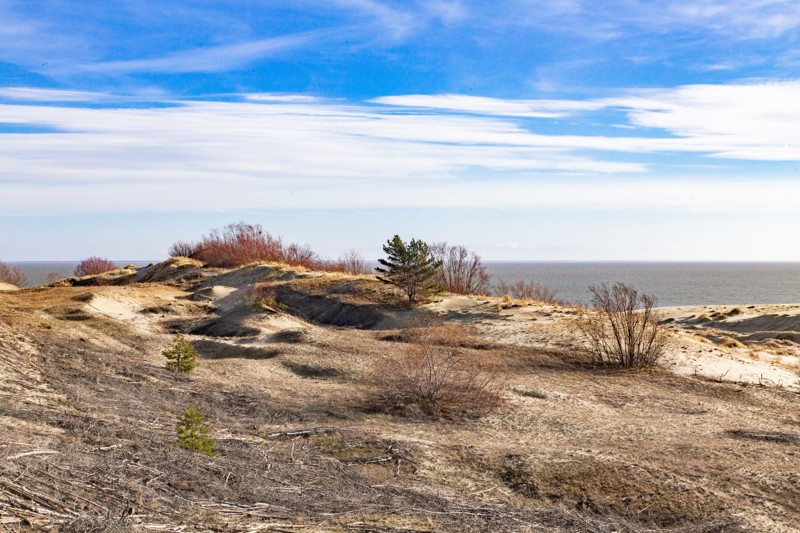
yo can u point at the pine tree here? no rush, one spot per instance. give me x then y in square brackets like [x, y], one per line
[181, 356]
[410, 267]
[194, 432]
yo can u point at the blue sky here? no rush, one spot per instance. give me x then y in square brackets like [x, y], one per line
[523, 129]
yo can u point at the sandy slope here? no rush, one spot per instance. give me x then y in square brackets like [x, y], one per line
[748, 344]
[8, 287]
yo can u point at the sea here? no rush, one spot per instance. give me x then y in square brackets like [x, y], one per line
[672, 283]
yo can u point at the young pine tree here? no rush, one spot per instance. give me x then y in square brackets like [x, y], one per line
[194, 432]
[181, 356]
[409, 266]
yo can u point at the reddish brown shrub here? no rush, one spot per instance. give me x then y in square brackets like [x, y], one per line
[238, 244]
[435, 376]
[12, 275]
[300, 255]
[92, 266]
[461, 271]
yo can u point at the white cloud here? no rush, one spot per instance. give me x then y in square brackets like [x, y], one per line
[756, 121]
[491, 106]
[287, 98]
[294, 151]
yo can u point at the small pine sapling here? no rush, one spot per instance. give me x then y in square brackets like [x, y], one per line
[194, 433]
[181, 356]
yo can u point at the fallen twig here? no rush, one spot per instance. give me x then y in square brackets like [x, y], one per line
[301, 432]
[26, 454]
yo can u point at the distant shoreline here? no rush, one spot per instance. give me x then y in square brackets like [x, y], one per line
[674, 283]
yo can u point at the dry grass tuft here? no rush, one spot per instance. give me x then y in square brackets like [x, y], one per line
[730, 342]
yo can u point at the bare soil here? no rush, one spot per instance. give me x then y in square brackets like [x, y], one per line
[709, 441]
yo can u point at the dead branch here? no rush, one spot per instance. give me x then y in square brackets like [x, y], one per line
[301, 432]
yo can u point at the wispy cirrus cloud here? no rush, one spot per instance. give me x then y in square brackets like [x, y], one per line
[737, 19]
[210, 58]
[491, 106]
[51, 95]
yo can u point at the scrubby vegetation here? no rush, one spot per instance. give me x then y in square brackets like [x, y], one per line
[435, 375]
[240, 243]
[625, 330]
[527, 290]
[92, 266]
[12, 275]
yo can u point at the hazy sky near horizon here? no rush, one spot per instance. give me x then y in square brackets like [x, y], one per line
[523, 129]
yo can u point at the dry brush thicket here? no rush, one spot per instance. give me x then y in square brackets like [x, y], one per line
[461, 271]
[241, 243]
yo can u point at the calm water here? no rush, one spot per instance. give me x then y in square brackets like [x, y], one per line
[38, 271]
[672, 283]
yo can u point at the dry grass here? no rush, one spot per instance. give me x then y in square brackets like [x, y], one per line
[730, 342]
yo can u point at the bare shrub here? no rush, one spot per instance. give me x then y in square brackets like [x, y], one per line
[461, 271]
[527, 290]
[625, 330]
[353, 263]
[54, 277]
[12, 275]
[92, 266]
[435, 376]
[182, 249]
